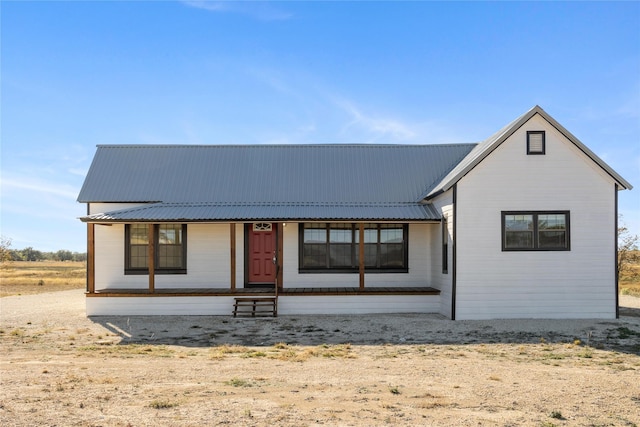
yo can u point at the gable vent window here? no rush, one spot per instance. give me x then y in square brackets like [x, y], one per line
[535, 142]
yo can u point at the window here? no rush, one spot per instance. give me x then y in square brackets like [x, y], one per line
[535, 142]
[335, 247]
[170, 248]
[535, 231]
[445, 246]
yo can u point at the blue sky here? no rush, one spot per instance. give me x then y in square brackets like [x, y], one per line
[78, 74]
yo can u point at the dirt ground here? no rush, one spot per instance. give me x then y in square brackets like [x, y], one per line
[59, 368]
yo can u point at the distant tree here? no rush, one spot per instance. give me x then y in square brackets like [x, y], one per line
[79, 256]
[627, 248]
[63, 255]
[5, 249]
[30, 254]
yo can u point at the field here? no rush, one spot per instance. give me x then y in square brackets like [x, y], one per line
[28, 278]
[60, 368]
[630, 279]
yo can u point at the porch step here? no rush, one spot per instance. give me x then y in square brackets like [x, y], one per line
[255, 307]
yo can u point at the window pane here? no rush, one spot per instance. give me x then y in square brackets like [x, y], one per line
[518, 222]
[314, 255]
[391, 255]
[551, 222]
[370, 255]
[390, 233]
[370, 233]
[518, 231]
[340, 255]
[552, 239]
[170, 246]
[552, 231]
[138, 256]
[139, 234]
[340, 233]
[170, 234]
[518, 239]
[170, 256]
[315, 233]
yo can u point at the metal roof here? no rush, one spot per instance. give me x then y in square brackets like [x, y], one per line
[187, 212]
[268, 173]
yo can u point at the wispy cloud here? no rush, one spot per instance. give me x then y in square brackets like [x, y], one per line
[41, 187]
[261, 10]
[376, 126]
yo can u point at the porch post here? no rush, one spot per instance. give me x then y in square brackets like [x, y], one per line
[361, 253]
[91, 258]
[279, 253]
[232, 239]
[152, 259]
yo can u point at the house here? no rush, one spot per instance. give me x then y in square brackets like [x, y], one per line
[521, 225]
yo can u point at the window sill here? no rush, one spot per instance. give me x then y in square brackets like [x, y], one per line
[352, 271]
[157, 272]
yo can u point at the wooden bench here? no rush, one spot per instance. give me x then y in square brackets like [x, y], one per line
[255, 307]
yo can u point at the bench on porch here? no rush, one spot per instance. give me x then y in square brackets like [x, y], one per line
[255, 306]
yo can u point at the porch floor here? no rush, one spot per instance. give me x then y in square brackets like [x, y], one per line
[239, 292]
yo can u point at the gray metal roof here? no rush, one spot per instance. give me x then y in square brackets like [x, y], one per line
[187, 212]
[268, 173]
[483, 149]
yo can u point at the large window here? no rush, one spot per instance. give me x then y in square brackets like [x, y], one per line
[535, 231]
[335, 247]
[170, 248]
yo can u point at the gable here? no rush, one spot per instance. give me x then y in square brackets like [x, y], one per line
[485, 148]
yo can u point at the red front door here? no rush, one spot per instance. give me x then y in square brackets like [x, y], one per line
[262, 251]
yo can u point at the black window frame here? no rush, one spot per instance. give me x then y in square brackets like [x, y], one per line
[128, 270]
[535, 232]
[354, 252]
[445, 245]
[544, 143]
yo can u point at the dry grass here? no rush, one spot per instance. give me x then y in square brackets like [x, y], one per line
[629, 282]
[28, 278]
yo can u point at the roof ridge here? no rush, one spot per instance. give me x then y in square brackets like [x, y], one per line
[316, 145]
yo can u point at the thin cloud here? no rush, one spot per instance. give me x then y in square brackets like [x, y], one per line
[379, 126]
[262, 11]
[39, 187]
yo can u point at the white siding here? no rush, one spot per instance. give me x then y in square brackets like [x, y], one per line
[440, 280]
[208, 259]
[418, 275]
[569, 284]
[223, 306]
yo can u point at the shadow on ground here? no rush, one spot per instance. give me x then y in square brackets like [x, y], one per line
[395, 329]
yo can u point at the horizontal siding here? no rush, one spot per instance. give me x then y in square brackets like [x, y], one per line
[223, 306]
[444, 205]
[579, 283]
[208, 259]
[151, 306]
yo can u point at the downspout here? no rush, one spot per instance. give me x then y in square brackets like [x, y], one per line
[615, 258]
[453, 252]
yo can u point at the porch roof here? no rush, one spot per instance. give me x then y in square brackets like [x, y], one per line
[220, 212]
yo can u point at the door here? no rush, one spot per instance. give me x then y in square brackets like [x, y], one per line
[262, 254]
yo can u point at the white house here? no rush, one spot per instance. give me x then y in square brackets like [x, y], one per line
[521, 225]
